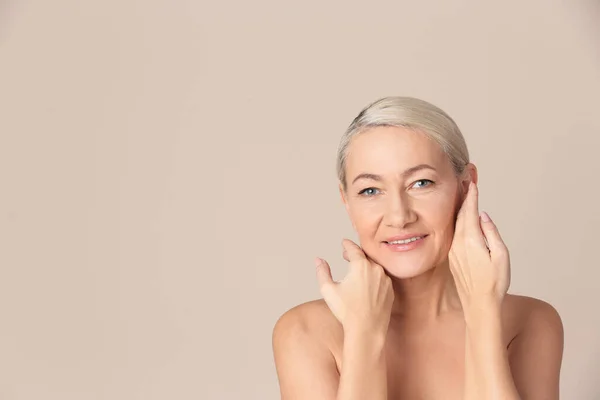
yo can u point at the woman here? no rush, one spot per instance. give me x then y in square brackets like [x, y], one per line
[423, 312]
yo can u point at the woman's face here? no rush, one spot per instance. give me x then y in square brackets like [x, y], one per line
[400, 183]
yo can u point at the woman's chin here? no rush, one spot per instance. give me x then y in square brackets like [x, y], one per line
[407, 264]
[408, 267]
[406, 271]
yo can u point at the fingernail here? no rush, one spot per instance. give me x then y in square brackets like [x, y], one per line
[485, 217]
[318, 261]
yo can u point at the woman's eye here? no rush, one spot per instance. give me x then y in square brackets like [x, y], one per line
[368, 192]
[426, 181]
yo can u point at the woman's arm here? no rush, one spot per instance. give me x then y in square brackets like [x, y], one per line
[482, 275]
[361, 303]
[307, 370]
[529, 370]
[364, 372]
[487, 371]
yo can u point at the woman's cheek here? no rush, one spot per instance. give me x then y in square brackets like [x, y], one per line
[365, 211]
[359, 220]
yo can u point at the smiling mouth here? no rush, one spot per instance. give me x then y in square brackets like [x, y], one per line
[406, 241]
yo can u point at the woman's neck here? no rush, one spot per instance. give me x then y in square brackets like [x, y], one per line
[427, 296]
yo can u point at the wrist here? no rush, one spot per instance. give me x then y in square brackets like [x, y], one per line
[365, 336]
[482, 309]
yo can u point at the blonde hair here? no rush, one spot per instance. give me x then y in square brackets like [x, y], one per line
[412, 113]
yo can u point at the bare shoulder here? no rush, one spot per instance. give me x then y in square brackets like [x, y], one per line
[528, 314]
[535, 351]
[310, 321]
[303, 341]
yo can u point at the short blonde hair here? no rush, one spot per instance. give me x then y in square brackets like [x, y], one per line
[412, 113]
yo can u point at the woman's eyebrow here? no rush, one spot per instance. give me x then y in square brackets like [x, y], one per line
[375, 177]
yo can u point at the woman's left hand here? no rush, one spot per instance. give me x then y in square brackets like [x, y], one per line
[481, 272]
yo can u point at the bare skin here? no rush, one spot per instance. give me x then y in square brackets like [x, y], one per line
[424, 360]
[434, 322]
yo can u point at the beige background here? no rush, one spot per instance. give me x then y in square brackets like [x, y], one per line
[167, 174]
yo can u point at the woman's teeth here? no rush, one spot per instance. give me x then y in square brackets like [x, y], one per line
[406, 240]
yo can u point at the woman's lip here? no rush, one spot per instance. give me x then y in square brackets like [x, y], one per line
[422, 236]
[406, 246]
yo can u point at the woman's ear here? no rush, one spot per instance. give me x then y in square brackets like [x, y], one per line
[469, 175]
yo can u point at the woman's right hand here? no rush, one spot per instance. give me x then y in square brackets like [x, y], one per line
[363, 299]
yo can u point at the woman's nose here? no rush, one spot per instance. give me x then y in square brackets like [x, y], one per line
[399, 212]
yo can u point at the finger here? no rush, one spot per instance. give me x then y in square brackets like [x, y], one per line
[353, 251]
[460, 215]
[471, 227]
[472, 206]
[345, 255]
[492, 235]
[323, 272]
[371, 261]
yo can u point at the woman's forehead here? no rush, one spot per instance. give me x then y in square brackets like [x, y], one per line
[392, 149]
